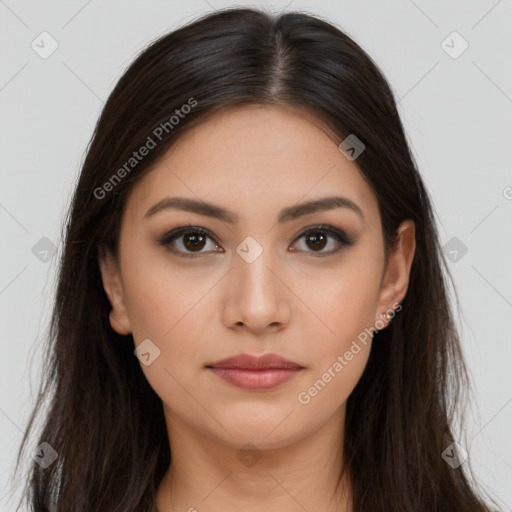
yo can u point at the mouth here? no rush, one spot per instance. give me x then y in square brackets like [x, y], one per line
[255, 372]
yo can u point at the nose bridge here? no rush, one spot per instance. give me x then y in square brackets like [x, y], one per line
[253, 257]
[258, 295]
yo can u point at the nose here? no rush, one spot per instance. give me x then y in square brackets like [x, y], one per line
[257, 297]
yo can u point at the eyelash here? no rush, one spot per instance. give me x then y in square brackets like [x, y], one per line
[338, 235]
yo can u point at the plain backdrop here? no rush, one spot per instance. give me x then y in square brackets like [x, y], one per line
[455, 99]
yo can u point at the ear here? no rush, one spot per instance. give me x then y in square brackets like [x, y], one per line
[396, 278]
[111, 278]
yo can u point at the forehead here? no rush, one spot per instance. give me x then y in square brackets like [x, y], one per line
[255, 158]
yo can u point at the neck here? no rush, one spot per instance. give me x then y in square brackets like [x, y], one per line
[211, 476]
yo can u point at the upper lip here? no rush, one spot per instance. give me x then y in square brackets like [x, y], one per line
[250, 362]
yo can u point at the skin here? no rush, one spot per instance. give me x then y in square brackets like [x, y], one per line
[307, 308]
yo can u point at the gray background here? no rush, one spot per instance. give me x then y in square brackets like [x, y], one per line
[458, 117]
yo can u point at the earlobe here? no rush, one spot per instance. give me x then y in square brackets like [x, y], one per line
[397, 274]
[111, 279]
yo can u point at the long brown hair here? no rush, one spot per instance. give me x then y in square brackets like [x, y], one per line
[100, 415]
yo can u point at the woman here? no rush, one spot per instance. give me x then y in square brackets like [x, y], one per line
[251, 308]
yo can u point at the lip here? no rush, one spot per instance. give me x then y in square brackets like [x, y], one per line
[255, 372]
[250, 362]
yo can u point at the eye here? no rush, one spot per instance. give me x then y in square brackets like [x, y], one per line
[190, 238]
[317, 238]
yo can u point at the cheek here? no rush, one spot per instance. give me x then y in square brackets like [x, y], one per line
[159, 297]
[165, 306]
[345, 303]
[338, 360]
[339, 351]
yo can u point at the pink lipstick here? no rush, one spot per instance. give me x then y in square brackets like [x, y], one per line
[255, 372]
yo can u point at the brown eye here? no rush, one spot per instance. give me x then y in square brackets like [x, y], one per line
[188, 241]
[317, 238]
[316, 241]
[194, 242]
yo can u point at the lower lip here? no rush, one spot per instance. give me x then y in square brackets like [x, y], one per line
[255, 379]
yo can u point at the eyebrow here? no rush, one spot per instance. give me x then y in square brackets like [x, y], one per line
[286, 215]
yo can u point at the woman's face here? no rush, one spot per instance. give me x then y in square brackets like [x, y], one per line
[254, 284]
